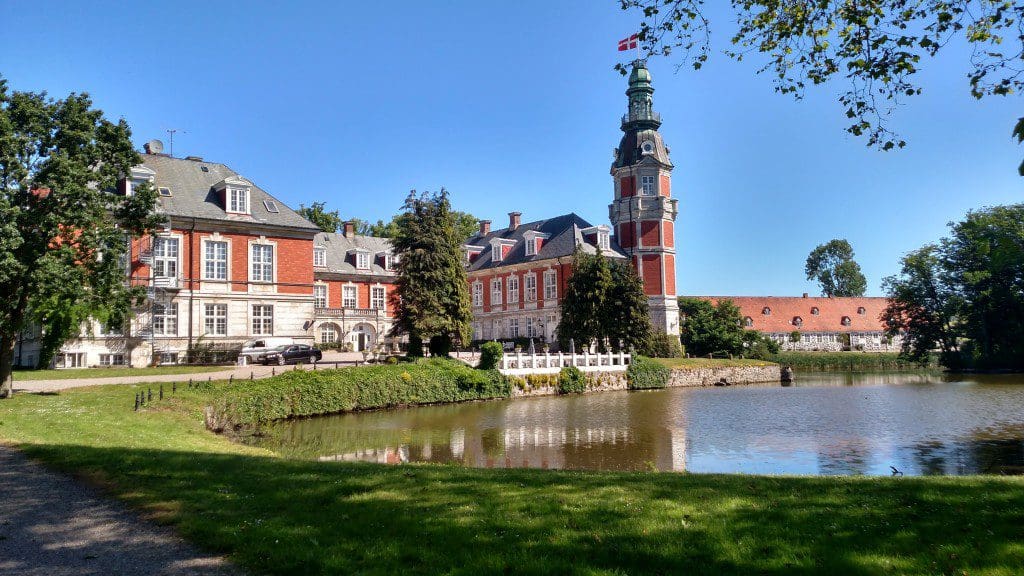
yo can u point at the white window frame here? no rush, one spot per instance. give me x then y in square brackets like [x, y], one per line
[332, 329]
[261, 268]
[215, 319]
[378, 298]
[262, 319]
[319, 257]
[215, 266]
[602, 240]
[531, 328]
[647, 185]
[320, 295]
[166, 252]
[513, 327]
[513, 289]
[109, 359]
[530, 281]
[531, 246]
[165, 319]
[237, 200]
[496, 291]
[478, 293]
[350, 296]
[550, 285]
[363, 260]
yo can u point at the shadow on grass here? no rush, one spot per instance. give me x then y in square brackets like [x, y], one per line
[289, 516]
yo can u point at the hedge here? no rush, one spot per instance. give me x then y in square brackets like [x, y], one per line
[852, 361]
[309, 393]
[491, 354]
[646, 374]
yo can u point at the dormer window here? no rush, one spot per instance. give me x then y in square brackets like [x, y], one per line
[531, 247]
[861, 311]
[599, 236]
[319, 257]
[748, 321]
[362, 260]
[238, 200]
[798, 321]
[603, 241]
[766, 311]
[389, 261]
[846, 320]
[814, 311]
[534, 241]
[500, 249]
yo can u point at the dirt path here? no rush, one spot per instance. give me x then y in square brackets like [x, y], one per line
[51, 525]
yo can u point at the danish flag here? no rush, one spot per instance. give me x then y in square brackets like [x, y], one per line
[628, 43]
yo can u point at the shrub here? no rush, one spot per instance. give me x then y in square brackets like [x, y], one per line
[845, 361]
[571, 381]
[794, 336]
[645, 374]
[663, 346]
[490, 355]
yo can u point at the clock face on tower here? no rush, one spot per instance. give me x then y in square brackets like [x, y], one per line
[647, 147]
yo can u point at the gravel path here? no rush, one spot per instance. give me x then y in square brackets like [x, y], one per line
[51, 525]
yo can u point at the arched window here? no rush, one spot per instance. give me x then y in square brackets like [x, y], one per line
[748, 321]
[814, 311]
[766, 311]
[846, 320]
[797, 321]
[861, 311]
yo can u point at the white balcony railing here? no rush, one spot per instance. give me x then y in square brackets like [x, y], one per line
[518, 364]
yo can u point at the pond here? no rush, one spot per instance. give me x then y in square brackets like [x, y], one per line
[822, 424]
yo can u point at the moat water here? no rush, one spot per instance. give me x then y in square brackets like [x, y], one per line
[822, 424]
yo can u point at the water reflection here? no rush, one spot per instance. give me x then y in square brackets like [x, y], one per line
[826, 424]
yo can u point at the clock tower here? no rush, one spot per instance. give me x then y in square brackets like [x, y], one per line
[643, 213]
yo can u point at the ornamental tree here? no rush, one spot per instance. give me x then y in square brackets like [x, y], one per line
[64, 229]
[708, 328]
[833, 266]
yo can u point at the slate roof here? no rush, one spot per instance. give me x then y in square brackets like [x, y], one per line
[564, 235]
[829, 318]
[340, 258]
[192, 193]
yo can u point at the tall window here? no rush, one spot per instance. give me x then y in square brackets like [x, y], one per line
[262, 319]
[349, 295]
[320, 257]
[238, 200]
[165, 319]
[513, 289]
[362, 260]
[513, 327]
[165, 257]
[550, 285]
[216, 267]
[531, 287]
[328, 333]
[495, 291]
[602, 240]
[530, 328]
[478, 294]
[262, 263]
[215, 319]
[531, 246]
[377, 301]
[320, 295]
[647, 184]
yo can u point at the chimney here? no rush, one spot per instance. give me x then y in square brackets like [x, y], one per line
[513, 220]
[350, 229]
[485, 227]
[805, 294]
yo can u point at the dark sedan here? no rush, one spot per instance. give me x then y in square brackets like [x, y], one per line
[291, 354]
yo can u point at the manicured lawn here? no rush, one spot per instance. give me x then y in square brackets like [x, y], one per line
[80, 373]
[279, 516]
[709, 362]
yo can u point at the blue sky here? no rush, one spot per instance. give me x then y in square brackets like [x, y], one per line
[515, 106]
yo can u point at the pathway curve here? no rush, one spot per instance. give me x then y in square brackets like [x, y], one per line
[51, 525]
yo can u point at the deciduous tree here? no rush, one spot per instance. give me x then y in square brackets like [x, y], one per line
[64, 228]
[833, 266]
[708, 328]
[317, 213]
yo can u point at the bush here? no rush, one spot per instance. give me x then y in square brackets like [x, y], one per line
[490, 355]
[646, 374]
[663, 346]
[306, 393]
[845, 361]
[794, 336]
[571, 381]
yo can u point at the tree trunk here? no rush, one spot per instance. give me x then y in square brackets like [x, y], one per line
[6, 366]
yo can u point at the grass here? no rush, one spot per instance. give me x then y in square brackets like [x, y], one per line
[82, 373]
[693, 363]
[278, 516]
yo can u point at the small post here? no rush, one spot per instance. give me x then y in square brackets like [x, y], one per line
[161, 391]
[189, 382]
[174, 386]
[150, 395]
[273, 371]
[209, 379]
[252, 375]
[231, 379]
[136, 401]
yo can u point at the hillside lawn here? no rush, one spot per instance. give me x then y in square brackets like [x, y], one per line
[277, 516]
[84, 373]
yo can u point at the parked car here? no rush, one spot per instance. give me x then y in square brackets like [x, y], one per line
[291, 354]
[254, 348]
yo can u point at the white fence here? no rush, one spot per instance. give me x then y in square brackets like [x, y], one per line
[519, 364]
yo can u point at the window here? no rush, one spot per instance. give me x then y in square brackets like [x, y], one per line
[362, 260]
[328, 333]
[349, 295]
[111, 359]
[550, 285]
[513, 327]
[814, 311]
[478, 293]
[216, 265]
[215, 319]
[165, 257]
[846, 320]
[164, 191]
[766, 311]
[647, 184]
[748, 321]
[271, 206]
[320, 296]
[389, 261]
[531, 328]
[495, 291]
[531, 246]
[513, 289]
[602, 240]
[320, 257]
[262, 263]
[377, 299]
[238, 200]
[797, 321]
[262, 319]
[861, 311]
[531, 287]
[165, 319]
[168, 357]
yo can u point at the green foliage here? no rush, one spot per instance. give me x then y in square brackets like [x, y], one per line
[663, 346]
[604, 301]
[645, 374]
[571, 380]
[309, 393]
[710, 329]
[832, 265]
[61, 252]
[845, 361]
[758, 346]
[794, 336]
[431, 278]
[466, 225]
[490, 355]
[317, 214]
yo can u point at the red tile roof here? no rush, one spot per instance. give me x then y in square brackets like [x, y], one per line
[864, 313]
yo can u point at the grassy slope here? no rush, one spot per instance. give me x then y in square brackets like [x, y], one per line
[709, 363]
[285, 516]
[83, 373]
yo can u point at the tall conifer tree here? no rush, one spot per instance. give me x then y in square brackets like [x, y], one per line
[626, 312]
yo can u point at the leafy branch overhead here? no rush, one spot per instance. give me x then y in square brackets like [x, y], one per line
[877, 46]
